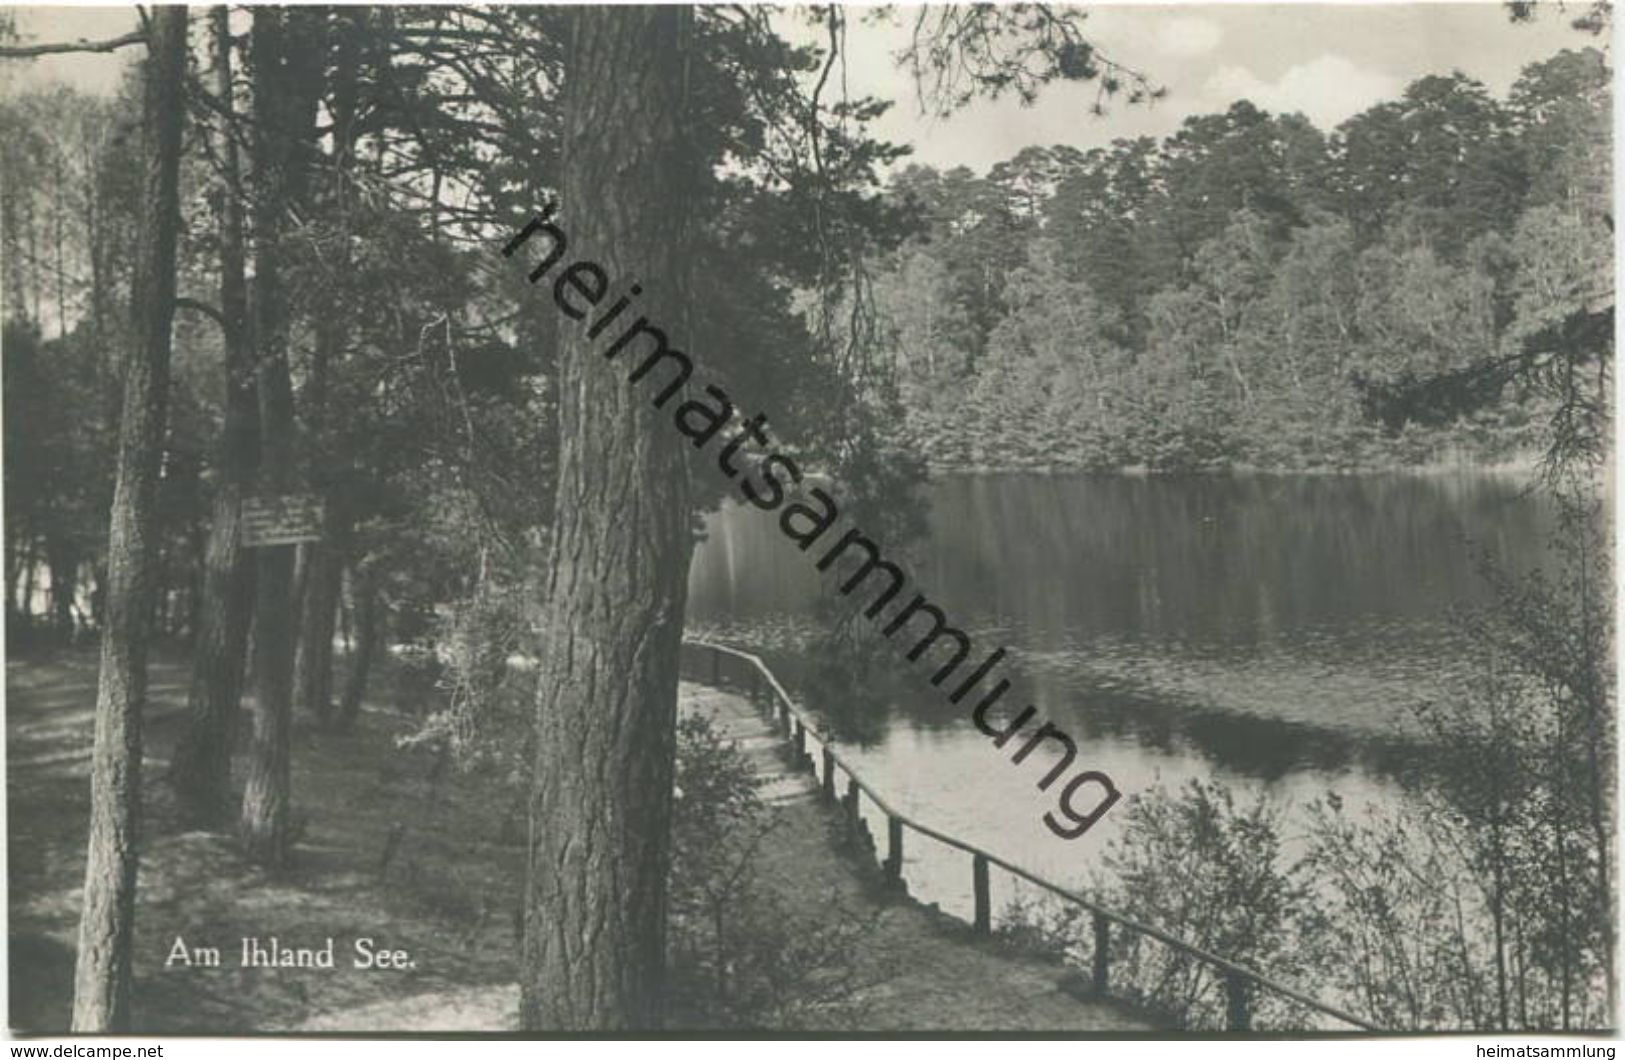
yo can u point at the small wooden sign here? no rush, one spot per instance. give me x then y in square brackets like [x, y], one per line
[283, 520]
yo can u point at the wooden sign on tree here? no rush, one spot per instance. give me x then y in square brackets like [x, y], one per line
[287, 519]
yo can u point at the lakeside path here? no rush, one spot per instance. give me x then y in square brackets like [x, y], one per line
[397, 846]
[925, 970]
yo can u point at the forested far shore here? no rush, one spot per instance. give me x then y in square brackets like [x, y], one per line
[1245, 292]
[271, 387]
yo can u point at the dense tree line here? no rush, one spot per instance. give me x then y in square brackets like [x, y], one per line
[1244, 292]
[267, 267]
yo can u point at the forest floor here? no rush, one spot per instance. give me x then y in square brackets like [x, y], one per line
[397, 846]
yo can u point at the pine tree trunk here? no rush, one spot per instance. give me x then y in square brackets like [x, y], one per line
[197, 570]
[34, 259]
[266, 792]
[201, 767]
[14, 581]
[347, 619]
[594, 931]
[11, 251]
[369, 637]
[157, 622]
[313, 670]
[64, 563]
[200, 770]
[288, 54]
[101, 994]
[322, 567]
[98, 594]
[30, 572]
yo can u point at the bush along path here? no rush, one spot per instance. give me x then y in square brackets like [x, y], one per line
[407, 870]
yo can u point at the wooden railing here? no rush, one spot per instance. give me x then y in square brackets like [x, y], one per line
[752, 676]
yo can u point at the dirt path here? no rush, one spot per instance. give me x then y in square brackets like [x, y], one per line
[400, 848]
[927, 972]
[394, 846]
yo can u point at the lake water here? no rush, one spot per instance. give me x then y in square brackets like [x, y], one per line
[1273, 632]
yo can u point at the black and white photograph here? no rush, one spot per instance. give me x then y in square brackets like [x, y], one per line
[774, 521]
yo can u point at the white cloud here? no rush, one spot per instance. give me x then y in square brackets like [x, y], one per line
[1329, 89]
[1188, 35]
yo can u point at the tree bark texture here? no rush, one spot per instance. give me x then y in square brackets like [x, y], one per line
[63, 559]
[322, 566]
[313, 669]
[101, 993]
[600, 805]
[368, 639]
[288, 57]
[201, 768]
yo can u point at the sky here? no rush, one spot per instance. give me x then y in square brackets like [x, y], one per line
[1328, 61]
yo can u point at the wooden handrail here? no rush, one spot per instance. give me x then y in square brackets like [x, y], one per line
[1237, 976]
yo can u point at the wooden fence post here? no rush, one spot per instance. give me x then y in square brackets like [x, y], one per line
[852, 817]
[984, 905]
[1102, 941]
[801, 742]
[829, 774]
[1235, 993]
[894, 849]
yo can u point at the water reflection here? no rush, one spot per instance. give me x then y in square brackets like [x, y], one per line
[1274, 630]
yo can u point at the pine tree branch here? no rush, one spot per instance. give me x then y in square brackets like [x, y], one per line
[201, 307]
[29, 51]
